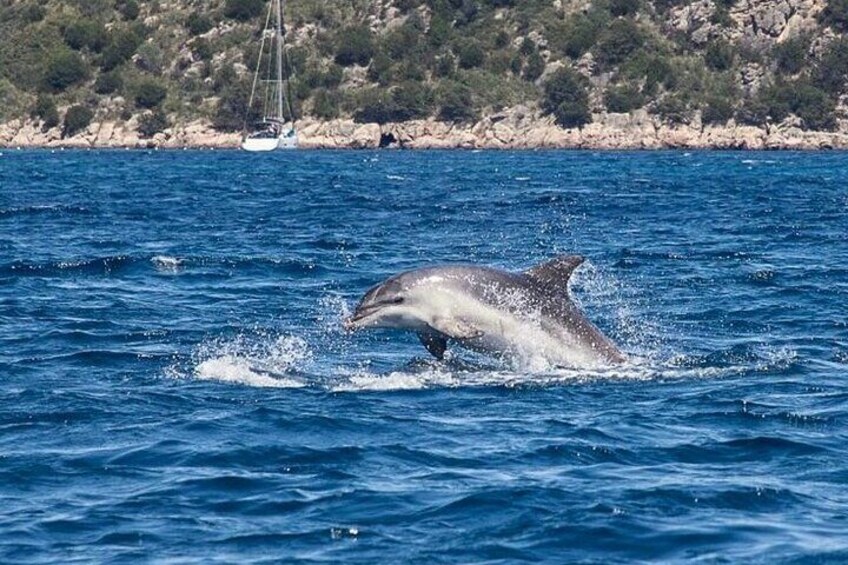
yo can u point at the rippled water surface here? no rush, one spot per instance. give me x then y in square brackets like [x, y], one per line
[176, 385]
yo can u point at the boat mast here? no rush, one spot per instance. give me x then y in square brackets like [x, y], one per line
[279, 61]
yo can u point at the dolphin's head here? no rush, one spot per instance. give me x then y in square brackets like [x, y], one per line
[390, 304]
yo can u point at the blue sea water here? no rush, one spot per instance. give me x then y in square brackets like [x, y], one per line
[176, 386]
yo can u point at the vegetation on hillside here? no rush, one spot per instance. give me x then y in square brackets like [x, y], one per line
[165, 61]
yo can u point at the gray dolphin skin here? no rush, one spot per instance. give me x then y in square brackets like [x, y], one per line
[525, 316]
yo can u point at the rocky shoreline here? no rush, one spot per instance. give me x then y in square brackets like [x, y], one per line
[518, 128]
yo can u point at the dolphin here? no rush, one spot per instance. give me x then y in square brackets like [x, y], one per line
[521, 316]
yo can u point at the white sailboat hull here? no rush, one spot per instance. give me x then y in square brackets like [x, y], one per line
[285, 141]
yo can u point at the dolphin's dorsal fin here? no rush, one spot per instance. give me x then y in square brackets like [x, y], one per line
[554, 274]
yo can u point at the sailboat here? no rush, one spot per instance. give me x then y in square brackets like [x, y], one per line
[276, 130]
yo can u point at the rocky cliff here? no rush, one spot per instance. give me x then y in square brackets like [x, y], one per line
[431, 73]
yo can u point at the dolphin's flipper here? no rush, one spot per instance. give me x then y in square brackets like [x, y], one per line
[553, 275]
[436, 344]
[456, 328]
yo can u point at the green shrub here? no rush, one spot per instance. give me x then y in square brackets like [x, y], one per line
[332, 77]
[378, 108]
[498, 62]
[77, 118]
[128, 9]
[232, 110]
[122, 45]
[152, 123]
[150, 58]
[566, 97]
[455, 103]
[717, 110]
[467, 12]
[33, 13]
[582, 36]
[624, 7]
[410, 70]
[380, 69]
[64, 69]
[790, 56]
[445, 66]
[354, 46]
[814, 106]
[831, 72]
[412, 100]
[501, 39]
[527, 47]
[224, 78]
[85, 34]
[721, 15]
[439, 32]
[534, 68]
[91, 9]
[243, 10]
[325, 104]
[409, 101]
[45, 110]
[516, 64]
[202, 49]
[576, 35]
[109, 82]
[404, 42]
[665, 5]
[835, 15]
[775, 102]
[149, 94]
[618, 42]
[250, 57]
[655, 68]
[406, 6]
[623, 98]
[470, 53]
[673, 109]
[198, 24]
[719, 55]
[752, 112]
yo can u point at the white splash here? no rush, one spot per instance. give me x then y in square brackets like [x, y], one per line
[398, 380]
[333, 311]
[166, 263]
[257, 362]
[231, 369]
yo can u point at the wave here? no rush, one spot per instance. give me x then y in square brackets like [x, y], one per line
[162, 263]
[96, 266]
[41, 209]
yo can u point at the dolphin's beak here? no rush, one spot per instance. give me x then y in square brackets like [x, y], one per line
[350, 324]
[353, 322]
[360, 316]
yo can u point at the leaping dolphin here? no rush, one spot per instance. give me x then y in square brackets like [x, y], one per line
[525, 316]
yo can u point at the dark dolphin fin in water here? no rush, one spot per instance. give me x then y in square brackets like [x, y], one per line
[553, 275]
[435, 343]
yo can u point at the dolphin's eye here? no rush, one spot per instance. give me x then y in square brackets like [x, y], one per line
[397, 300]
